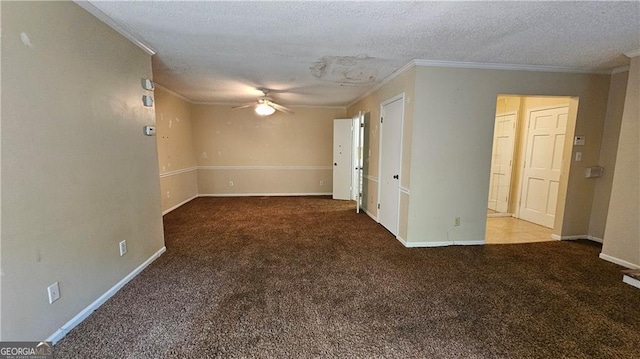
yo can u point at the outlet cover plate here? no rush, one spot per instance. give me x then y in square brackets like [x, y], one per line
[54, 292]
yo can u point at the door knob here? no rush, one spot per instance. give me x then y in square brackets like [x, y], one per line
[335, 163]
[396, 176]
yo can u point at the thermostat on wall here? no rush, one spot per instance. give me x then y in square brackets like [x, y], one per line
[150, 130]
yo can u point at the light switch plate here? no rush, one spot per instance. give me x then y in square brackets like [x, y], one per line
[579, 140]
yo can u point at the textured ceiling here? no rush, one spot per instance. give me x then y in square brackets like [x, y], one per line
[330, 53]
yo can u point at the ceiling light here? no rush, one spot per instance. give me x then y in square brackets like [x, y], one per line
[264, 109]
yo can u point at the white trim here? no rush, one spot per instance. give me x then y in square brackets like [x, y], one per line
[404, 190]
[633, 53]
[580, 236]
[371, 215]
[618, 261]
[631, 281]
[499, 214]
[568, 238]
[371, 178]
[427, 244]
[121, 29]
[469, 243]
[179, 205]
[595, 239]
[177, 172]
[262, 194]
[232, 104]
[377, 87]
[620, 69]
[164, 88]
[266, 168]
[60, 333]
[510, 67]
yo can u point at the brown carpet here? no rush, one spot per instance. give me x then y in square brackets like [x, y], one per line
[309, 278]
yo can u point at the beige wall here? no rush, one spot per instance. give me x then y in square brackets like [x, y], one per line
[177, 162]
[622, 234]
[78, 175]
[451, 147]
[403, 83]
[279, 154]
[608, 151]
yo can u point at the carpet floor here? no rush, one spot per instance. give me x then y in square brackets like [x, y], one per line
[307, 277]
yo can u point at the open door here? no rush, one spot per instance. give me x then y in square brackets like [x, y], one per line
[358, 138]
[543, 165]
[348, 141]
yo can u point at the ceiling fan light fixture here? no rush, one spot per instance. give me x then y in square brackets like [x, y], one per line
[264, 109]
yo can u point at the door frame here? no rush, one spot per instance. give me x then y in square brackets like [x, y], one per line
[400, 97]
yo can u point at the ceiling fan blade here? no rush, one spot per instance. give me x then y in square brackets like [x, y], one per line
[280, 107]
[245, 105]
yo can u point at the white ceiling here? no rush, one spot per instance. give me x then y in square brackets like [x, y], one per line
[330, 53]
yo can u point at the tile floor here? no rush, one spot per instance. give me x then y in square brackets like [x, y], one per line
[505, 230]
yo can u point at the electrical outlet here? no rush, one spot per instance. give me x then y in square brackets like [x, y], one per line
[230, 183]
[322, 183]
[54, 292]
[123, 248]
[457, 222]
[168, 194]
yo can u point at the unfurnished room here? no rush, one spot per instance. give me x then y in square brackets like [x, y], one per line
[319, 179]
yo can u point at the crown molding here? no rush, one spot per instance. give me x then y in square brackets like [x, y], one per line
[205, 103]
[411, 64]
[620, 69]
[510, 67]
[166, 89]
[121, 29]
[631, 54]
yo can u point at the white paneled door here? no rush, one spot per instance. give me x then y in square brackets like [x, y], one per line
[501, 162]
[543, 165]
[390, 158]
[342, 160]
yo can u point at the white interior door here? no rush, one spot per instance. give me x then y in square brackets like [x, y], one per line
[502, 162]
[342, 161]
[357, 166]
[390, 159]
[543, 165]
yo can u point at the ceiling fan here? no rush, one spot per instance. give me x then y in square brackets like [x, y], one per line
[265, 105]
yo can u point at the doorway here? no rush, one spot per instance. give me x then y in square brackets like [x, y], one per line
[529, 139]
[348, 142]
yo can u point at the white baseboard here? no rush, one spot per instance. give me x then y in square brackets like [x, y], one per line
[498, 215]
[179, 204]
[631, 281]
[582, 236]
[261, 194]
[438, 244]
[371, 215]
[468, 243]
[618, 261]
[66, 328]
[595, 239]
[427, 244]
